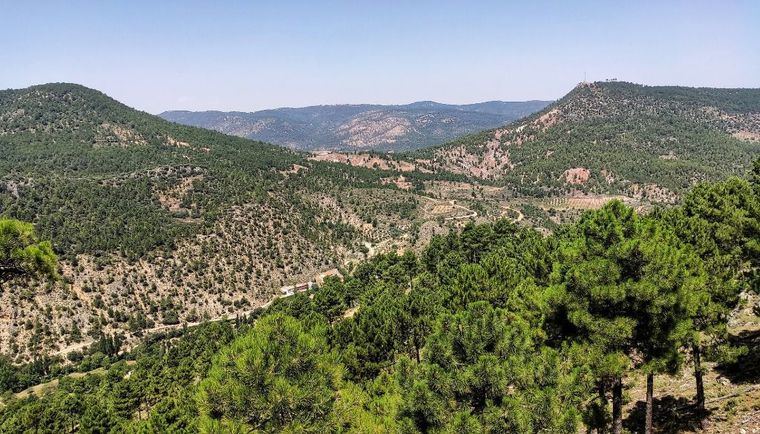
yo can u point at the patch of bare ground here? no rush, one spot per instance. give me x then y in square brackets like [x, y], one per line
[171, 141]
[448, 210]
[577, 175]
[730, 407]
[548, 119]
[351, 312]
[172, 198]
[743, 126]
[296, 168]
[369, 161]
[732, 391]
[460, 189]
[749, 136]
[584, 202]
[512, 213]
[490, 161]
[399, 181]
[608, 176]
[109, 134]
[652, 193]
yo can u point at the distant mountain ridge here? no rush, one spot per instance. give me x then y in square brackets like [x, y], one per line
[360, 126]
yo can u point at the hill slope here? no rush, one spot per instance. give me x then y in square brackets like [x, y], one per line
[158, 223]
[614, 137]
[380, 127]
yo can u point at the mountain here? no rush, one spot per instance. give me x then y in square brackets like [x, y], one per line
[613, 137]
[174, 242]
[344, 127]
[158, 223]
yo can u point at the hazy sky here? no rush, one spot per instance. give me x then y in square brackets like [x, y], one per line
[247, 55]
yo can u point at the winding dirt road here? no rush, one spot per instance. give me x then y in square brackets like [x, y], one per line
[519, 213]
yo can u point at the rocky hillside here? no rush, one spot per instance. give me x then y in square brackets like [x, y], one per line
[379, 127]
[614, 137]
[158, 223]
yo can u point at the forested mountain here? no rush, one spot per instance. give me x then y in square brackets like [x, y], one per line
[128, 242]
[613, 137]
[158, 223]
[366, 126]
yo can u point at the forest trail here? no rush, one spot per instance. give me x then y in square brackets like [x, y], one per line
[469, 212]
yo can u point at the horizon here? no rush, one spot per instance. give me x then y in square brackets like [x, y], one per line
[349, 104]
[264, 56]
[385, 105]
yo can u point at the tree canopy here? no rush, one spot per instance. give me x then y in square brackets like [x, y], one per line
[21, 252]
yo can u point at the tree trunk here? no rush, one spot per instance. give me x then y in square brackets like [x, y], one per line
[617, 406]
[698, 377]
[650, 402]
[603, 402]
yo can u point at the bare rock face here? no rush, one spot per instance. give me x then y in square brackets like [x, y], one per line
[577, 175]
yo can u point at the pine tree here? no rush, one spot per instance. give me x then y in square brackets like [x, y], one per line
[624, 285]
[278, 375]
[22, 253]
[721, 223]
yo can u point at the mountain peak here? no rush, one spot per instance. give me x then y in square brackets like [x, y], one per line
[621, 136]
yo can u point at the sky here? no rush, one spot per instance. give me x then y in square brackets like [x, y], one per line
[251, 55]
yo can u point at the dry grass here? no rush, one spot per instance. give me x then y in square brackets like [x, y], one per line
[732, 391]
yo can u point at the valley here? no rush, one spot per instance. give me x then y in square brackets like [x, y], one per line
[227, 217]
[180, 239]
[165, 231]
